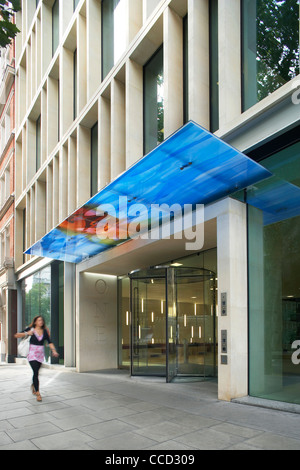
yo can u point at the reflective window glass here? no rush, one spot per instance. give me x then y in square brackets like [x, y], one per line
[153, 102]
[274, 280]
[113, 33]
[270, 49]
[43, 295]
[94, 160]
[214, 64]
[38, 143]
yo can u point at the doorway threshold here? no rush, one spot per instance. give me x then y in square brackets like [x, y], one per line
[271, 404]
[190, 379]
[176, 380]
[148, 378]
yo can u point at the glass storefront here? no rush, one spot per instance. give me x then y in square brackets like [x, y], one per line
[43, 294]
[270, 50]
[274, 280]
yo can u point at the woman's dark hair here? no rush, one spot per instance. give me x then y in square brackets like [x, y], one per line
[35, 320]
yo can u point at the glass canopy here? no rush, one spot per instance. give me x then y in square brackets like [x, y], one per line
[191, 167]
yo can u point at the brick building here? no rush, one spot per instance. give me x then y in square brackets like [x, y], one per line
[8, 293]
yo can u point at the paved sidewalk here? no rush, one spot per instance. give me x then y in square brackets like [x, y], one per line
[111, 411]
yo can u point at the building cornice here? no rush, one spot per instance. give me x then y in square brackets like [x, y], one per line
[7, 145]
[8, 203]
[6, 84]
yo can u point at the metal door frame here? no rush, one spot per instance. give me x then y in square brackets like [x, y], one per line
[167, 269]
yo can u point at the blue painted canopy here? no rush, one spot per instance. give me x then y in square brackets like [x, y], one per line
[192, 167]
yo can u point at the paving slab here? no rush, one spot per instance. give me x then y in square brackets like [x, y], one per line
[126, 441]
[109, 410]
[36, 430]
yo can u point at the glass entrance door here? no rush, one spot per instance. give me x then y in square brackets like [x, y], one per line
[196, 323]
[172, 327]
[174, 323]
[148, 307]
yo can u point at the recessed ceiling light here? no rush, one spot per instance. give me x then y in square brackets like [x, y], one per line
[176, 264]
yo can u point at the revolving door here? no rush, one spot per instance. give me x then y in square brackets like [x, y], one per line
[174, 323]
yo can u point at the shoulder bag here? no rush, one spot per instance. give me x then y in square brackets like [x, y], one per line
[23, 347]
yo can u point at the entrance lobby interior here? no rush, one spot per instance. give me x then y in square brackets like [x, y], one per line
[168, 319]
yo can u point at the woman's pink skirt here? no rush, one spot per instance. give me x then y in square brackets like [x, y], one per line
[36, 353]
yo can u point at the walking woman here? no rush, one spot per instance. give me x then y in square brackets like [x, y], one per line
[39, 335]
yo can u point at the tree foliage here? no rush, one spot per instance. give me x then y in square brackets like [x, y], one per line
[8, 30]
[38, 302]
[277, 43]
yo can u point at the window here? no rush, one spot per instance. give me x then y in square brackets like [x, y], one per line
[214, 65]
[113, 33]
[94, 160]
[153, 102]
[185, 71]
[38, 143]
[2, 244]
[75, 85]
[57, 309]
[43, 294]
[75, 3]
[55, 26]
[270, 47]
[58, 110]
[24, 234]
[37, 296]
[5, 186]
[274, 280]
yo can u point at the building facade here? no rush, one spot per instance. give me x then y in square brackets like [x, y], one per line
[99, 85]
[8, 308]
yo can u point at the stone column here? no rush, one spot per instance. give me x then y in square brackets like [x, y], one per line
[66, 90]
[93, 47]
[83, 165]
[72, 174]
[104, 141]
[69, 315]
[229, 60]
[134, 112]
[117, 128]
[173, 76]
[232, 274]
[81, 63]
[198, 47]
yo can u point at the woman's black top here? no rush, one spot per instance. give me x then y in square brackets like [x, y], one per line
[34, 339]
